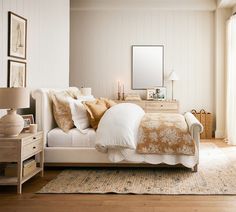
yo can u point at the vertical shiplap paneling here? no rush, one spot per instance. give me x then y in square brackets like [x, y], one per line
[47, 41]
[32, 11]
[20, 7]
[53, 44]
[101, 50]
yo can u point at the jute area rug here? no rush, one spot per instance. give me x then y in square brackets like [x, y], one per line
[216, 175]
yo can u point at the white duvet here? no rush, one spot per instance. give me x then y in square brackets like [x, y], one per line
[118, 128]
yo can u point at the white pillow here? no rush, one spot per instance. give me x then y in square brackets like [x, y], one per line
[79, 112]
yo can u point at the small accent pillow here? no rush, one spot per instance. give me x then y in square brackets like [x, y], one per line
[79, 112]
[95, 110]
[61, 107]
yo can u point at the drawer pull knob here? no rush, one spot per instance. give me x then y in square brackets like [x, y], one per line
[34, 138]
[34, 147]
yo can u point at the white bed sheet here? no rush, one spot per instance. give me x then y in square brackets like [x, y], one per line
[74, 138]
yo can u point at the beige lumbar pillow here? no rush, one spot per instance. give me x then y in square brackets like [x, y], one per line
[61, 107]
[95, 110]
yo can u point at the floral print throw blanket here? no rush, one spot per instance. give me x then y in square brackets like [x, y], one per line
[165, 133]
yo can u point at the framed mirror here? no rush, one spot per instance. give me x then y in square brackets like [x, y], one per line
[147, 66]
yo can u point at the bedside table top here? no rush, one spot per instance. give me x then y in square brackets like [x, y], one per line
[24, 135]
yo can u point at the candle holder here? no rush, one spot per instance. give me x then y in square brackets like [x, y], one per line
[118, 96]
[123, 96]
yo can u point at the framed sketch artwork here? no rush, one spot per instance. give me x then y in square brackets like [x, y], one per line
[16, 74]
[17, 33]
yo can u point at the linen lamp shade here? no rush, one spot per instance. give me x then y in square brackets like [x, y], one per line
[12, 99]
[173, 76]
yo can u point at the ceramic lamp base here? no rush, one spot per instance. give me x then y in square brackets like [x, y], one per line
[11, 124]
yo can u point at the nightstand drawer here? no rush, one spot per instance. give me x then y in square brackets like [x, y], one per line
[32, 148]
[33, 138]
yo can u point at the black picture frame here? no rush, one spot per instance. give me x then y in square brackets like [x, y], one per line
[16, 78]
[17, 36]
[28, 119]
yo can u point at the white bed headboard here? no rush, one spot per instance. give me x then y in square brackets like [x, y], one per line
[43, 111]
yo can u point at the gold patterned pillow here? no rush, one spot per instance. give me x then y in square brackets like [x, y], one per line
[95, 110]
[61, 107]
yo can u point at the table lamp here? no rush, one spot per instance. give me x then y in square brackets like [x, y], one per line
[12, 99]
[173, 77]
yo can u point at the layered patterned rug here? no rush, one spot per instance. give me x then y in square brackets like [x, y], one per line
[216, 175]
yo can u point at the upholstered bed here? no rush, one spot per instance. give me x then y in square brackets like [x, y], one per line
[76, 147]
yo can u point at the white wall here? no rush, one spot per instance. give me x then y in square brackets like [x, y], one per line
[47, 41]
[101, 42]
[221, 17]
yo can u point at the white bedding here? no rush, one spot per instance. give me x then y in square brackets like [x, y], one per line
[129, 155]
[118, 128]
[74, 138]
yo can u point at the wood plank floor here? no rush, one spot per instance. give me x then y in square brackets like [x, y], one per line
[29, 201]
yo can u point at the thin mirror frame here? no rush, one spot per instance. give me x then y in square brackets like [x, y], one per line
[132, 66]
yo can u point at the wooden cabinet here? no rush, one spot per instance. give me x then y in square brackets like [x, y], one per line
[156, 106]
[18, 149]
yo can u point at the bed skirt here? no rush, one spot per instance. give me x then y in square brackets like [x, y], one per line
[72, 155]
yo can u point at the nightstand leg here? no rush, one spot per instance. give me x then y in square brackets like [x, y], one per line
[19, 168]
[19, 188]
[19, 177]
[41, 163]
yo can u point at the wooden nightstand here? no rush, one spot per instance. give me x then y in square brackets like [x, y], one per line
[18, 149]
